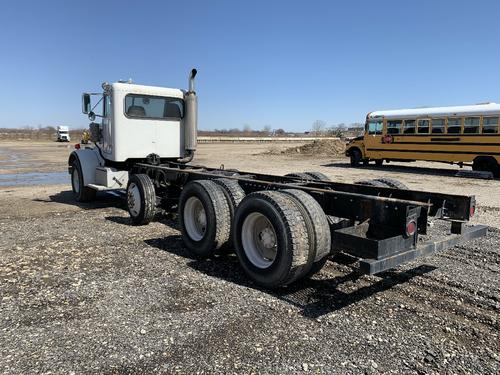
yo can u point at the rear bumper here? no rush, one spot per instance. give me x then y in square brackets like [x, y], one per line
[384, 254]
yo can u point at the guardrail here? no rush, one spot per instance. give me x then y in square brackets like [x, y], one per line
[208, 139]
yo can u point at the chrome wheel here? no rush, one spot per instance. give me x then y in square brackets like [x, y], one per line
[195, 218]
[134, 199]
[259, 240]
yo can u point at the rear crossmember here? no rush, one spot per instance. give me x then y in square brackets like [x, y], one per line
[372, 223]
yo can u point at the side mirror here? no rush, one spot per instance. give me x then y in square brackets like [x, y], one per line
[91, 116]
[86, 103]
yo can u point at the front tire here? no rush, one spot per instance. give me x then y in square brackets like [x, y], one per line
[141, 199]
[355, 157]
[81, 192]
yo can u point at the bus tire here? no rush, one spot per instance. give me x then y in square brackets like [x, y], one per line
[141, 199]
[355, 156]
[205, 217]
[392, 183]
[81, 192]
[318, 176]
[486, 164]
[271, 239]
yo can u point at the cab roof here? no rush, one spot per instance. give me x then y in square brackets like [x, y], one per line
[132, 88]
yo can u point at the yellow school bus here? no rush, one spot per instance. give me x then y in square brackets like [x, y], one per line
[459, 134]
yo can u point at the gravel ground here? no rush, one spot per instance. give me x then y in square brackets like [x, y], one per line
[83, 291]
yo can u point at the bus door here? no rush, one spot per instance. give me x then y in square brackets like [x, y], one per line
[373, 137]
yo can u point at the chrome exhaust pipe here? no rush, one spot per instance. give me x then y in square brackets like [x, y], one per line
[190, 120]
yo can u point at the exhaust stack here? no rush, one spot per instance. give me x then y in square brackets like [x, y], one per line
[191, 117]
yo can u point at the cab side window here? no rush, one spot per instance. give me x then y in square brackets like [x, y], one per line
[375, 127]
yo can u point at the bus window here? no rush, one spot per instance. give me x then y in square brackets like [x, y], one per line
[490, 125]
[454, 125]
[409, 127]
[375, 127]
[423, 126]
[394, 126]
[471, 125]
[437, 125]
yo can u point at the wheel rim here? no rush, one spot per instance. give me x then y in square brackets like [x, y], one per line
[195, 218]
[76, 181]
[259, 240]
[134, 199]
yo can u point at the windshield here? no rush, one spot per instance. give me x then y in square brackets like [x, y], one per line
[153, 107]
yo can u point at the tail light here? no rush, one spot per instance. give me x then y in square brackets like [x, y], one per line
[77, 146]
[472, 210]
[411, 228]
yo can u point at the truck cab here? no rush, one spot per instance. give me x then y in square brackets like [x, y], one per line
[130, 124]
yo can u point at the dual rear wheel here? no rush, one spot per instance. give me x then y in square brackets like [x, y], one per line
[279, 236]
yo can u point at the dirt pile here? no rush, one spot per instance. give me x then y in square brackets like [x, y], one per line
[327, 147]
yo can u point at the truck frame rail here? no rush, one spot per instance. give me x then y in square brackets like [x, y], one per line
[370, 222]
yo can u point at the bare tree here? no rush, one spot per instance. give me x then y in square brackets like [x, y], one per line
[318, 127]
[266, 129]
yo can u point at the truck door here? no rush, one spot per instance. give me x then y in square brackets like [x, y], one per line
[106, 125]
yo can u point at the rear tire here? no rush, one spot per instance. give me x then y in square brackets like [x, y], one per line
[301, 175]
[392, 183]
[486, 164]
[374, 183]
[205, 217]
[271, 239]
[81, 192]
[316, 222]
[141, 199]
[234, 195]
[318, 229]
[318, 176]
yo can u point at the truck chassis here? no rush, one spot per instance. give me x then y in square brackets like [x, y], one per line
[376, 223]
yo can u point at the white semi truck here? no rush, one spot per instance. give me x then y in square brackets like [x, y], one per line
[63, 134]
[282, 228]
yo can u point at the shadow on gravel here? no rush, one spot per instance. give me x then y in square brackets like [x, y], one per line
[161, 218]
[316, 297]
[320, 297]
[400, 168]
[103, 200]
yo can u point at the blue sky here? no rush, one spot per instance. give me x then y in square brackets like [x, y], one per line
[278, 63]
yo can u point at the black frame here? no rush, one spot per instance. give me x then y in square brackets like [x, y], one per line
[373, 220]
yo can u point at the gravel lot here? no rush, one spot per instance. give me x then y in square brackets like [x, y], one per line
[83, 291]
